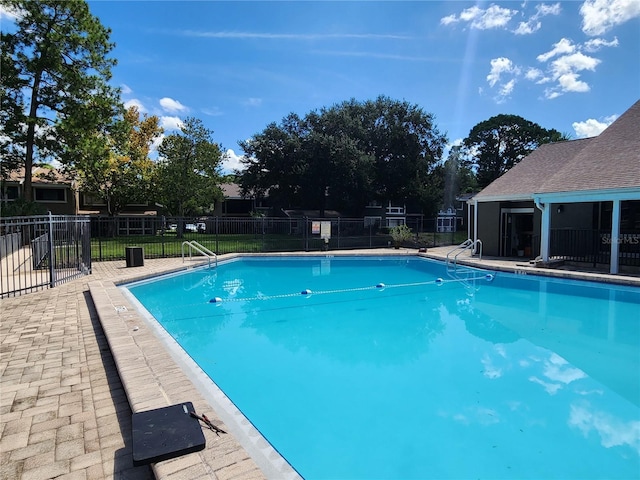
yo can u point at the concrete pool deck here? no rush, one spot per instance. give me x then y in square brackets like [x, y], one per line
[78, 359]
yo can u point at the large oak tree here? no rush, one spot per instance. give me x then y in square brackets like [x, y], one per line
[496, 145]
[345, 156]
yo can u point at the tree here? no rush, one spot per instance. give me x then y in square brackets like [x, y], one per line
[188, 177]
[54, 76]
[406, 146]
[457, 176]
[274, 162]
[345, 156]
[497, 144]
[118, 169]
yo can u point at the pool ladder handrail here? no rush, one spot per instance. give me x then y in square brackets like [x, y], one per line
[463, 247]
[198, 247]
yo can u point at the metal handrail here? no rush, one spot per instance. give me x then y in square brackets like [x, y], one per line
[463, 247]
[200, 249]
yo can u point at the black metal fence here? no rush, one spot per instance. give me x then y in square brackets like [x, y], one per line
[163, 237]
[41, 252]
[593, 247]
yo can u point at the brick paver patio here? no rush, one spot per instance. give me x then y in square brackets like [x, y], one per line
[63, 410]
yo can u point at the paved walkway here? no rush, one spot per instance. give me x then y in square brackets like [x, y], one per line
[68, 388]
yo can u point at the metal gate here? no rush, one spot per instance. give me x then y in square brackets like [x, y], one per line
[42, 252]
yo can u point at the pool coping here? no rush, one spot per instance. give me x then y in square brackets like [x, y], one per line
[154, 374]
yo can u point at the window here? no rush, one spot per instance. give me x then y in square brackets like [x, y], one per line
[11, 192]
[51, 194]
[92, 200]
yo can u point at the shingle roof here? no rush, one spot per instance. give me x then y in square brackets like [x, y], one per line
[40, 175]
[231, 190]
[609, 161]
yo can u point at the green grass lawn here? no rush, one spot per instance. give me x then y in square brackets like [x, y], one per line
[156, 246]
[169, 245]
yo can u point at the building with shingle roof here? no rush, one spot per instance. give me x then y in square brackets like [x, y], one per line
[52, 190]
[577, 200]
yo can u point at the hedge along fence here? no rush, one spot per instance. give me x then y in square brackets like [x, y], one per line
[162, 237]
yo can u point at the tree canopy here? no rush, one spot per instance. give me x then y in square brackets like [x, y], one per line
[188, 172]
[120, 172]
[55, 70]
[345, 156]
[497, 144]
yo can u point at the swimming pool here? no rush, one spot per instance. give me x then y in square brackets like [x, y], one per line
[391, 368]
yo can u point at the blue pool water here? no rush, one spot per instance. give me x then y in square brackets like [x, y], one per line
[504, 376]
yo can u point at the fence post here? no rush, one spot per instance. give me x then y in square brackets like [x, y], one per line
[52, 260]
[217, 249]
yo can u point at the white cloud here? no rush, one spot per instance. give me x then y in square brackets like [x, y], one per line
[156, 143]
[557, 369]
[569, 61]
[597, 43]
[550, 388]
[534, 24]
[592, 127]
[172, 106]
[569, 82]
[613, 431]
[572, 63]
[600, 16]
[528, 27]
[470, 13]
[252, 102]
[134, 102]
[504, 74]
[493, 17]
[564, 46]
[506, 89]
[565, 70]
[125, 89]
[536, 75]
[551, 93]
[482, 19]
[500, 66]
[544, 9]
[170, 123]
[213, 112]
[449, 19]
[231, 162]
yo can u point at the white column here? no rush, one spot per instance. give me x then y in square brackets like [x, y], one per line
[545, 231]
[469, 205]
[615, 237]
[475, 220]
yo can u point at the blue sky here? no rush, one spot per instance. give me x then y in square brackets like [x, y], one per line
[573, 66]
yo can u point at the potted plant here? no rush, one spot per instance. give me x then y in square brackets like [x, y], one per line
[400, 234]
